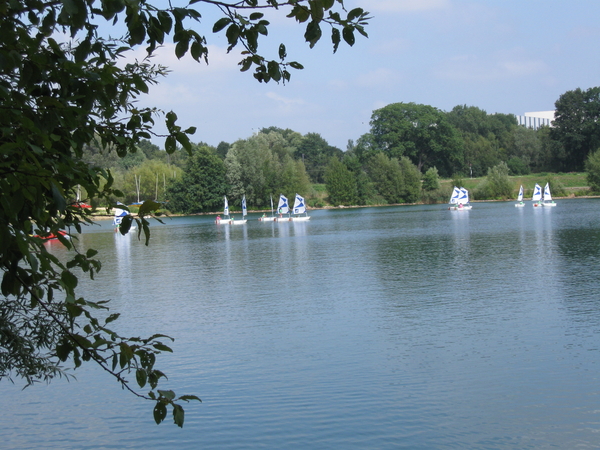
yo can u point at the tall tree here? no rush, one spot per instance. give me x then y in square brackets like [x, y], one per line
[316, 152]
[420, 132]
[341, 183]
[61, 88]
[201, 186]
[577, 125]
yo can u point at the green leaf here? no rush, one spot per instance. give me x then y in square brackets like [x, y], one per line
[141, 377]
[348, 34]
[160, 412]
[282, 52]
[178, 415]
[335, 39]
[220, 24]
[187, 398]
[313, 33]
[170, 395]
[68, 279]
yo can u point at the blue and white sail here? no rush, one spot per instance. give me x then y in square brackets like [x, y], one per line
[244, 209]
[119, 214]
[226, 208]
[547, 201]
[282, 207]
[455, 195]
[463, 197]
[299, 205]
[537, 193]
[520, 203]
[547, 195]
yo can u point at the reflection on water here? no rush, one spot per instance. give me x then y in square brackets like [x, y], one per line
[413, 327]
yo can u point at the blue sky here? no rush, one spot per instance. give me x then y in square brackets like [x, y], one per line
[499, 55]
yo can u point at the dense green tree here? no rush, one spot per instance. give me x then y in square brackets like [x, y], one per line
[61, 88]
[431, 180]
[397, 181]
[420, 132]
[341, 183]
[592, 167]
[252, 168]
[293, 179]
[201, 186]
[577, 126]
[497, 184]
[315, 153]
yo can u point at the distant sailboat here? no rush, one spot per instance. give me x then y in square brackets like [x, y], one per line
[265, 218]
[520, 198]
[120, 214]
[244, 214]
[459, 201]
[225, 220]
[229, 220]
[547, 199]
[537, 195]
[283, 208]
[299, 209]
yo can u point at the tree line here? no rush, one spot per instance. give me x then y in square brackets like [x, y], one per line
[400, 160]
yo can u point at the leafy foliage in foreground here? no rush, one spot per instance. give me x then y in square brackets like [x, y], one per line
[62, 89]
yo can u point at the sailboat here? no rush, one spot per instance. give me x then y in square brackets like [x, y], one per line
[537, 195]
[265, 218]
[459, 201]
[283, 208]
[225, 219]
[118, 217]
[229, 220]
[547, 199]
[520, 198]
[299, 209]
[244, 214]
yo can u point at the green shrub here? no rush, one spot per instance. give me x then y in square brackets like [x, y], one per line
[431, 180]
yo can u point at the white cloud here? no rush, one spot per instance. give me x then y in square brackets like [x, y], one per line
[285, 104]
[377, 78]
[500, 66]
[218, 60]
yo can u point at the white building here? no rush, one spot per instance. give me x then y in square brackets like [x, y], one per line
[536, 119]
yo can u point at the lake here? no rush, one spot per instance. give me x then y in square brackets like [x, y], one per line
[399, 327]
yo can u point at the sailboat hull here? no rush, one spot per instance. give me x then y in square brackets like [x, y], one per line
[460, 208]
[267, 219]
[549, 204]
[299, 219]
[519, 205]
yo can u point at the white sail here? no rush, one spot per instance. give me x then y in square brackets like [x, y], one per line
[520, 196]
[282, 207]
[455, 195]
[537, 193]
[119, 214]
[226, 208]
[299, 206]
[463, 198]
[547, 196]
[244, 210]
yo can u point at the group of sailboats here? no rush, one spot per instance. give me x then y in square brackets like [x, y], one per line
[229, 219]
[459, 200]
[538, 198]
[284, 214]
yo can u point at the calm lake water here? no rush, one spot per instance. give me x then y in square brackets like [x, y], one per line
[375, 328]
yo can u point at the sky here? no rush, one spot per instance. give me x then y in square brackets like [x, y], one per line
[502, 56]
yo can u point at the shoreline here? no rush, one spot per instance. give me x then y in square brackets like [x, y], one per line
[106, 216]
